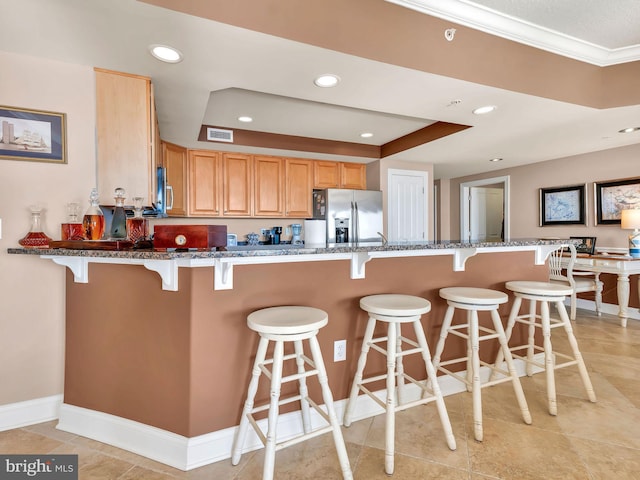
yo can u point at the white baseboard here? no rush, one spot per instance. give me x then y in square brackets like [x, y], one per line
[188, 453]
[608, 308]
[29, 412]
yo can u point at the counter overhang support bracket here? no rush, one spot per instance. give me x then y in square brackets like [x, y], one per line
[79, 266]
[168, 271]
[460, 257]
[358, 260]
[543, 251]
[222, 275]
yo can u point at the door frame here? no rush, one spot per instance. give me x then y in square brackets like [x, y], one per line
[465, 188]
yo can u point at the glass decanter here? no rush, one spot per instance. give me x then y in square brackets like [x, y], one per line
[73, 229]
[137, 226]
[36, 238]
[119, 221]
[93, 220]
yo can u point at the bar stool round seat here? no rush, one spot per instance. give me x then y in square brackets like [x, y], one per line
[287, 320]
[545, 293]
[474, 300]
[280, 325]
[474, 296]
[395, 310]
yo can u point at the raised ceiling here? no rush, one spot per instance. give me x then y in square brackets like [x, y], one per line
[274, 50]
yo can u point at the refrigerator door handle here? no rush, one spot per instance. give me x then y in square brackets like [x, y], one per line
[357, 223]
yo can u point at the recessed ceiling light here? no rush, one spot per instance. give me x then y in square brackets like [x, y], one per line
[629, 130]
[497, 159]
[245, 119]
[366, 135]
[328, 80]
[165, 53]
[485, 109]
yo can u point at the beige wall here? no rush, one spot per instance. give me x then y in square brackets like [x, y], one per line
[526, 181]
[32, 293]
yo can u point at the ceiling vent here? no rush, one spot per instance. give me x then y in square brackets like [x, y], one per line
[219, 135]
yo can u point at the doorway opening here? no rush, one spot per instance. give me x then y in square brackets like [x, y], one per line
[479, 210]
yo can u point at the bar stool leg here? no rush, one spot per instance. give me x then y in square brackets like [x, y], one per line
[475, 374]
[357, 379]
[517, 386]
[338, 440]
[304, 393]
[549, 363]
[444, 332]
[276, 380]
[582, 368]
[515, 309]
[435, 386]
[248, 404]
[531, 336]
[399, 365]
[390, 427]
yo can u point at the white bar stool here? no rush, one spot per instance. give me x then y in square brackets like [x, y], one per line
[545, 293]
[396, 310]
[288, 324]
[475, 300]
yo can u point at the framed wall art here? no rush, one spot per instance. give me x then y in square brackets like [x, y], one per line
[32, 135]
[614, 196]
[563, 205]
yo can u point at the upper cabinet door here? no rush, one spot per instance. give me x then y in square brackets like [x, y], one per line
[124, 135]
[326, 174]
[299, 188]
[205, 183]
[268, 192]
[353, 175]
[174, 158]
[237, 177]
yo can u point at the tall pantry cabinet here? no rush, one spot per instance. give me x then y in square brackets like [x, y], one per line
[126, 130]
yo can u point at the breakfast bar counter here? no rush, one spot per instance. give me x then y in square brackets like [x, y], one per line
[158, 364]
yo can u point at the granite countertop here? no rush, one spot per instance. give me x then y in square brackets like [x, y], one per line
[285, 250]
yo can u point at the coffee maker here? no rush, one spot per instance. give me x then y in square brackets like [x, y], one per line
[342, 230]
[276, 232]
[296, 230]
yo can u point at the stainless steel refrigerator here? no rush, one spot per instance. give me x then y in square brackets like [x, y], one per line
[352, 216]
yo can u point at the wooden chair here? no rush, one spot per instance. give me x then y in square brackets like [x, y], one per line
[579, 281]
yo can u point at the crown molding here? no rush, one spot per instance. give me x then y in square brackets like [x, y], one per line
[464, 12]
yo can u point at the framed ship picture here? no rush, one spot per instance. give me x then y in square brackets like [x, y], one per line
[32, 135]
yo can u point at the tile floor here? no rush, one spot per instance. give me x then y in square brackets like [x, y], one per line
[585, 441]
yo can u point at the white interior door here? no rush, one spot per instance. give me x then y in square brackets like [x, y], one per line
[485, 213]
[407, 206]
[465, 205]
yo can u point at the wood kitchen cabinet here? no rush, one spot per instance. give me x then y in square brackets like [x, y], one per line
[125, 124]
[269, 179]
[353, 175]
[298, 187]
[327, 174]
[237, 179]
[174, 159]
[205, 183]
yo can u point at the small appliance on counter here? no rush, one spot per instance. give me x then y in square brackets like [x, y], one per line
[296, 237]
[274, 235]
[189, 237]
[232, 240]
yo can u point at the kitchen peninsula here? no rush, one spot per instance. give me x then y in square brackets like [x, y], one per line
[158, 358]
